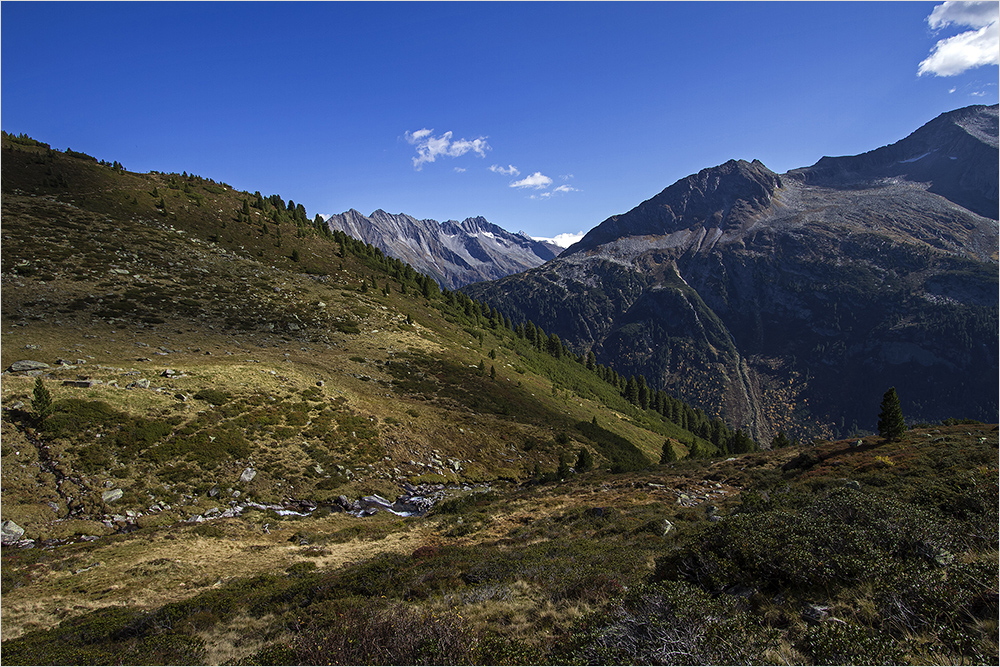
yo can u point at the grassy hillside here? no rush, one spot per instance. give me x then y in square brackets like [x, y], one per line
[194, 334]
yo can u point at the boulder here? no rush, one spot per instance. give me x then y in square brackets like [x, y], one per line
[248, 475]
[10, 532]
[111, 495]
[27, 365]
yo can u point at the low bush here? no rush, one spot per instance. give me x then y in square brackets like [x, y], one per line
[669, 624]
[213, 396]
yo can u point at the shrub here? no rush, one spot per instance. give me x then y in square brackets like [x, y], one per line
[845, 537]
[845, 643]
[373, 633]
[213, 396]
[671, 624]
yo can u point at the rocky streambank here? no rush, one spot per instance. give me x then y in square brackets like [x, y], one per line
[416, 500]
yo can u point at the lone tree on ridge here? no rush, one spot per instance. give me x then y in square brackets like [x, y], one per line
[890, 420]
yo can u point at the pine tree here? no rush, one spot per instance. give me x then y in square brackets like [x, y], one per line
[668, 454]
[563, 471]
[890, 420]
[781, 440]
[584, 460]
[42, 401]
[632, 391]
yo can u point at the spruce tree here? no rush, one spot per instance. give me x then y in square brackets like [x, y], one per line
[890, 420]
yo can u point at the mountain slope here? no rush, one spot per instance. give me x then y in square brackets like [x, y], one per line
[454, 253]
[187, 335]
[826, 285]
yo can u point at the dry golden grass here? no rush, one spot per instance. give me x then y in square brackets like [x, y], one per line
[152, 569]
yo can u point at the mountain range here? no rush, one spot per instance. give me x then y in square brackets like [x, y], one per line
[790, 302]
[453, 253]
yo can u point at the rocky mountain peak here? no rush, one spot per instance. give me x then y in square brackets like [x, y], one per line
[955, 155]
[721, 197]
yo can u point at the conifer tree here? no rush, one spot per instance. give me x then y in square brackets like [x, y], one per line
[890, 420]
[668, 454]
[41, 404]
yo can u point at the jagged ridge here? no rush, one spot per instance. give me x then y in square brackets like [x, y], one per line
[455, 253]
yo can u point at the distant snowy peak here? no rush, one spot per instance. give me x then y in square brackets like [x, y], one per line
[455, 253]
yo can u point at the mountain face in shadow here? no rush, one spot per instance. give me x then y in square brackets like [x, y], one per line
[793, 301]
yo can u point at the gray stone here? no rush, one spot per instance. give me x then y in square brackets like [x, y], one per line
[10, 532]
[248, 475]
[83, 384]
[853, 484]
[813, 613]
[112, 495]
[27, 365]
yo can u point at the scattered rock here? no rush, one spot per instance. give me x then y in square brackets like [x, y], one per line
[248, 475]
[813, 613]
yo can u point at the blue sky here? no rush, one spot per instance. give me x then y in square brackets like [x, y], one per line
[582, 110]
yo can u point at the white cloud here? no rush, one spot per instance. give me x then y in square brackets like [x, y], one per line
[459, 170]
[557, 190]
[561, 240]
[971, 14]
[509, 170]
[430, 147]
[966, 50]
[537, 180]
